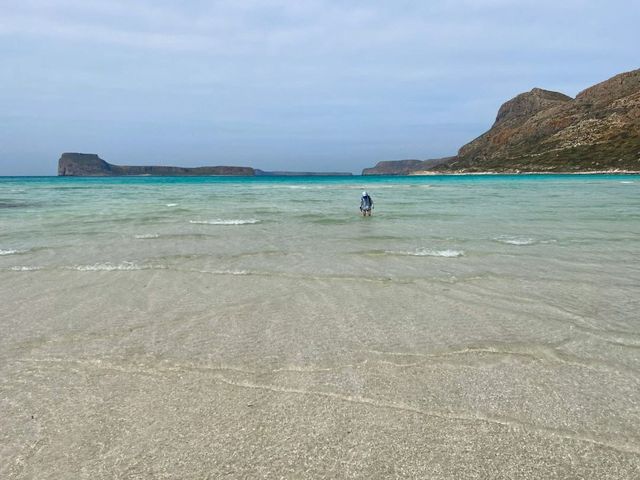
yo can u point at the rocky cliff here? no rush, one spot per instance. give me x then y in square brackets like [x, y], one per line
[91, 165]
[404, 167]
[546, 131]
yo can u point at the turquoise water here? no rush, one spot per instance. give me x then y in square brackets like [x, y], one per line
[486, 221]
[497, 312]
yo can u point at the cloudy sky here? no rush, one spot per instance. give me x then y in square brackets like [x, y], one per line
[286, 84]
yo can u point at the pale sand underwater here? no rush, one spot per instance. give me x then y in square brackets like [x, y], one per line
[215, 328]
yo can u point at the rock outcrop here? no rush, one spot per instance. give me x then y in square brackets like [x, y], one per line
[91, 165]
[404, 167]
[544, 131]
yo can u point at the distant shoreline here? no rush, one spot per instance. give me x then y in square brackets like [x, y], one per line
[75, 164]
[413, 174]
[597, 172]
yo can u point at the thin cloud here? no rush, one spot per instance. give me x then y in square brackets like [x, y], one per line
[307, 80]
[303, 27]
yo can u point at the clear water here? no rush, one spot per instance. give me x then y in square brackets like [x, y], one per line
[497, 312]
[488, 223]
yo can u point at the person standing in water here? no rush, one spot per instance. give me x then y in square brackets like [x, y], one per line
[366, 204]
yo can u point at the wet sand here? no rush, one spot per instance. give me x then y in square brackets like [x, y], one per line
[159, 385]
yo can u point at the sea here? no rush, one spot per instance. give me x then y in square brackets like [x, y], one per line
[475, 326]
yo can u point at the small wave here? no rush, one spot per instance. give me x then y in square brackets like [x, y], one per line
[520, 241]
[626, 182]
[172, 204]
[107, 267]
[231, 272]
[225, 222]
[187, 235]
[223, 272]
[429, 253]
[146, 236]
[258, 253]
[9, 252]
[97, 267]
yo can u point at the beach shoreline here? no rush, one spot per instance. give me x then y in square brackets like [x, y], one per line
[258, 328]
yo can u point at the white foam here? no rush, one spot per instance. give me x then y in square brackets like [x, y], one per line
[9, 252]
[449, 253]
[107, 267]
[626, 182]
[440, 253]
[231, 272]
[172, 204]
[146, 236]
[225, 222]
[520, 241]
[24, 268]
[223, 272]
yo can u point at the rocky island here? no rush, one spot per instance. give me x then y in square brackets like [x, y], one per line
[91, 165]
[545, 131]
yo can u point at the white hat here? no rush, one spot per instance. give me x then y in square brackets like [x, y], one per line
[364, 194]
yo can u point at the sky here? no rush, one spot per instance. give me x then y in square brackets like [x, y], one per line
[322, 85]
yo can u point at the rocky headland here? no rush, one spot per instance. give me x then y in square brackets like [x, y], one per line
[545, 131]
[91, 165]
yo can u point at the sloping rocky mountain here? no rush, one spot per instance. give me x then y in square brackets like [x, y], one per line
[546, 131]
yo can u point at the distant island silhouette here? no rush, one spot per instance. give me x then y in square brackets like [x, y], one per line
[91, 165]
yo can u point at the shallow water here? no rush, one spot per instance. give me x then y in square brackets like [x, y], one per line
[474, 326]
